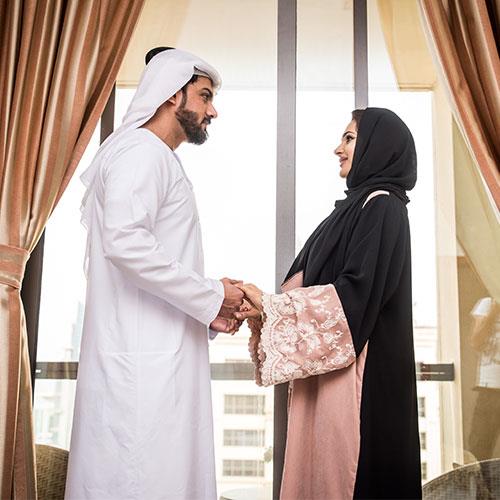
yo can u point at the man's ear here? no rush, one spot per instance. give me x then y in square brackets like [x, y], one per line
[176, 99]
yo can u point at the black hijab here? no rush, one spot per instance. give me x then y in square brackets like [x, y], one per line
[384, 159]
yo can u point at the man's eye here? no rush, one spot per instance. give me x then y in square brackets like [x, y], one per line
[205, 97]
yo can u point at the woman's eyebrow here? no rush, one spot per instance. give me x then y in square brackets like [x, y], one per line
[347, 132]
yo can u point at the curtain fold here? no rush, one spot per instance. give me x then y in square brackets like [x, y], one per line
[406, 44]
[58, 63]
[462, 33]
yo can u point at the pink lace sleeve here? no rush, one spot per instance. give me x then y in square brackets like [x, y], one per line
[253, 347]
[305, 333]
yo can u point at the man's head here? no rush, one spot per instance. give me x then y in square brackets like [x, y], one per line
[173, 100]
[192, 106]
[196, 109]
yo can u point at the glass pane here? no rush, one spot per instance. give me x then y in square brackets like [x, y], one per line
[53, 412]
[455, 236]
[325, 99]
[61, 308]
[63, 283]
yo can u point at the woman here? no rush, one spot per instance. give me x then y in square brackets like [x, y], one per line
[342, 330]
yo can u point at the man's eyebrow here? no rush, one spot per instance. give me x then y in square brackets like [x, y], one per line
[347, 132]
[208, 90]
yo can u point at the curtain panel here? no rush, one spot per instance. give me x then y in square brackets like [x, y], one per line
[58, 64]
[406, 44]
[463, 35]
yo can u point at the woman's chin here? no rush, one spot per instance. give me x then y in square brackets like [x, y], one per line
[344, 171]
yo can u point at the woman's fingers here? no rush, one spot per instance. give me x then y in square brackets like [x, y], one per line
[252, 293]
[251, 313]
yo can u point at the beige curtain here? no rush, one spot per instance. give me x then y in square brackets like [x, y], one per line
[153, 29]
[462, 33]
[58, 63]
[406, 44]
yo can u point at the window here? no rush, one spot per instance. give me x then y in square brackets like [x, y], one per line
[243, 437]
[423, 441]
[423, 468]
[421, 407]
[244, 404]
[243, 468]
[448, 205]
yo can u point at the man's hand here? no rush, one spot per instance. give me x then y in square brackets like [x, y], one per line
[233, 296]
[225, 325]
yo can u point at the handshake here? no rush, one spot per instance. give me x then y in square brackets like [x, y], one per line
[241, 301]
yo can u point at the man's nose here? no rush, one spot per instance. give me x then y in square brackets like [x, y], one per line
[212, 112]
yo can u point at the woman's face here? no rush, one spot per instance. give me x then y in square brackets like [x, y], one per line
[345, 150]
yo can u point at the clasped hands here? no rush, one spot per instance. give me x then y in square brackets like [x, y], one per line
[241, 301]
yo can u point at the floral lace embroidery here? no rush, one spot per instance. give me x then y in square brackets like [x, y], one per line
[253, 347]
[305, 333]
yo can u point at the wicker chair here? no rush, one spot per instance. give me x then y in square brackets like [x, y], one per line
[480, 480]
[51, 466]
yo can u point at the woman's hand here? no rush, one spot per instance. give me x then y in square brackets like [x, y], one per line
[252, 305]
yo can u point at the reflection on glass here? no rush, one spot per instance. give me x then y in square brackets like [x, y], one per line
[485, 340]
[481, 369]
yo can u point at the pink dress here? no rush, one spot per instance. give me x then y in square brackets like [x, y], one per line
[306, 338]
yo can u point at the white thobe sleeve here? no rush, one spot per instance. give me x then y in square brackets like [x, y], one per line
[135, 185]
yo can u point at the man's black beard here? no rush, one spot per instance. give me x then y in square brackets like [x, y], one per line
[188, 120]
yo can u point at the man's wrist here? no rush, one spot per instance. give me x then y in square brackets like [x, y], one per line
[218, 287]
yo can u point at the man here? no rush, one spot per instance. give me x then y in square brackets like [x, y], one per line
[142, 425]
